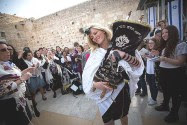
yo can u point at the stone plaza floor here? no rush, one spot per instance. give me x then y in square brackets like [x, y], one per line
[70, 110]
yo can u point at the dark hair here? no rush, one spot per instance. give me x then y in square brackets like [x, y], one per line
[1, 42]
[35, 55]
[164, 21]
[14, 56]
[65, 50]
[40, 49]
[82, 48]
[25, 54]
[172, 41]
[58, 47]
[26, 49]
[155, 42]
[65, 53]
[75, 44]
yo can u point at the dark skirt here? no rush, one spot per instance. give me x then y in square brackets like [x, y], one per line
[120, 106]
[9, 114]
[173, 80]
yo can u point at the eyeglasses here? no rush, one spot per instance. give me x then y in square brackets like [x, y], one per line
[5, 49]
[10, 49]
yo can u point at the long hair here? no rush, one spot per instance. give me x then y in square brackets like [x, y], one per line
[172, 41]
[35, 55]
[92, 44]
[14, 56]
[155, 44]
[25, 53]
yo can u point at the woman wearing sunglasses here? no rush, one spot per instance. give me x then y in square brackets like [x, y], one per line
[13, 105]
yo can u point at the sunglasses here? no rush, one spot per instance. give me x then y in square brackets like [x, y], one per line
[5, 49]
[87, 31]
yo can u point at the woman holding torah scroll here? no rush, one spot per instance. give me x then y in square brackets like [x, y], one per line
[112, 60]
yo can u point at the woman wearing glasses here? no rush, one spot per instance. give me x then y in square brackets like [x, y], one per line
[13, 106]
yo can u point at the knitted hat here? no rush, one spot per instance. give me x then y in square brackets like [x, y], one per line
[127, 35]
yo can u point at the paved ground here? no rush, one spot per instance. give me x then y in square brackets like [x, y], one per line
[84, 109]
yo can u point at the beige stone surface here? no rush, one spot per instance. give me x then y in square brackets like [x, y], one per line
[79, 110]
[62, 28]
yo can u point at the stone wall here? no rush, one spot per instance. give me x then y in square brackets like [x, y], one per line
[63, 28]
[16, 30]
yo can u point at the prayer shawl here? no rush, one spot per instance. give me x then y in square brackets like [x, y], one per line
[92, 66]
[38, 70]
[51, 69]
[8, 88]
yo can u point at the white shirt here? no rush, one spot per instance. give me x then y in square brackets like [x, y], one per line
[90, 69]
[150, 67]
[181, 49]
[63, 60]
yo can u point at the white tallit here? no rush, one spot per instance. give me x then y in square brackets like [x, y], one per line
[90, 69]
[38, 70]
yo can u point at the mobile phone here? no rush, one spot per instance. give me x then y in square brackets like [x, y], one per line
[154, 59]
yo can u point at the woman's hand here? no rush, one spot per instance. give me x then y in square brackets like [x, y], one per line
[155, 52]
[26, 76]
[162, 58]
[121, 54]
[37, 65]
[102, 86]
[76, 59]
[46, 59]
[20, 54]
[144, 56]
[30, 69]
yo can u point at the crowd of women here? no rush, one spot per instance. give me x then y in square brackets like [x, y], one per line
[164, 57]
[165, 62]
[24, 73]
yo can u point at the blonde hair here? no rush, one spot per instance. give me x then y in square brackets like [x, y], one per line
[108, 32]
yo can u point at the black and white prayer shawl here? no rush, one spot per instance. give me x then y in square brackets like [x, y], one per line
[92, 66]
[11, 70]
